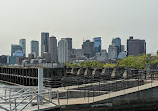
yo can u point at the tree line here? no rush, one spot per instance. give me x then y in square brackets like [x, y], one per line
[135, 62]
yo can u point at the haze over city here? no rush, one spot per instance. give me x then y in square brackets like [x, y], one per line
[78, 19]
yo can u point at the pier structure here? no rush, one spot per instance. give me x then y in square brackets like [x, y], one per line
[91, 88]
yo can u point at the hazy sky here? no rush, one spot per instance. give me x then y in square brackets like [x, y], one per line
[79, 19]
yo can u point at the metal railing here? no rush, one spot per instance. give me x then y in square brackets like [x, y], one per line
[18, 98]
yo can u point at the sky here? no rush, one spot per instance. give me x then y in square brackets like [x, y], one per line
[78, 19]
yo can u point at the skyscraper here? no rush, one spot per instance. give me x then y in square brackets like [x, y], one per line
[44, 42]
[53, 48]
[15, 48]
[135, 46]
[122, 48]
[22, 43]
[63, 51]
[35, 48]
[117, 42]
[69, 40]
[88, 48]
[97, 44]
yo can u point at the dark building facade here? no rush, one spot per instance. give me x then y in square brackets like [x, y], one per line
[3, 59]
[53, 48]
[15, 48]
[97, 44]
[35, 48]
[88, 48]
[69, 40]
[44, 42]
[135, 46]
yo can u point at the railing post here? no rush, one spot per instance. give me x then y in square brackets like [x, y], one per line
[37, 102]
[58, 98]
[5, 92]
[40, 84]
[9, 99]
[50, 95]
[15, 104]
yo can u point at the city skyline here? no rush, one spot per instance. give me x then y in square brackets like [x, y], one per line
[79, 20]
[40, 50]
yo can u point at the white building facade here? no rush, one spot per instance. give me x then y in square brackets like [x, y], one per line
[112, 52]
[63, 51]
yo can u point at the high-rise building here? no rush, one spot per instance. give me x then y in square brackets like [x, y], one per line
[122, 48]
[97, 44]
[22, 43]
[44, 42]
[117, 42]
[69, 40]
[88, 48]
[112, 51]
[53, 48]
[63, 51]
[35, 48]
[15, 48]
[135, 46]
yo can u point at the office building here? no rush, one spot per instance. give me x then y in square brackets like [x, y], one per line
[69, 40]
[97, 44]
[44, 42]
[35, 48]
[112, 51]
[3, 59]
[53, 48]
[15, 48]
[22, 43]
[122, 48]
[117, 42]
[63, 51]
[88, 48]
[135, 47]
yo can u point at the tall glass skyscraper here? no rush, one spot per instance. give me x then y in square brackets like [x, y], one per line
[35, 48]
[69, 40]
[44, 42]
[53, 48]
[97, 44]
[22, 43]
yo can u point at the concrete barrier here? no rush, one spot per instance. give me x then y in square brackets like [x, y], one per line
[81, 71]
[88, 72]
[97, 72]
